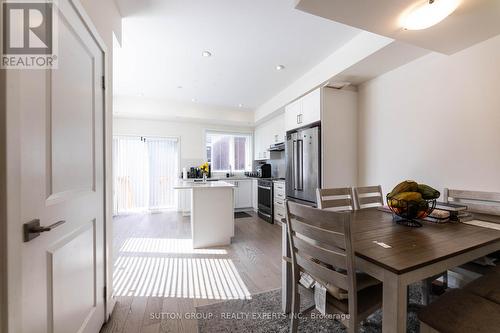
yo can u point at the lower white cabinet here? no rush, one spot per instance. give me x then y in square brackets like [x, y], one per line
[279, 201]
[255, 194]
[242, 193]
[184, 197]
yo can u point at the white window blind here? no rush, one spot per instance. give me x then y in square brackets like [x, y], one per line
[145, 170]
[229, 151]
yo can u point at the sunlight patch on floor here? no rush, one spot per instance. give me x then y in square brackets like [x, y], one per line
[178, 277]
[165, 245]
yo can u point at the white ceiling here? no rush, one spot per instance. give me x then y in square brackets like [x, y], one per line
[163, 41]
[472, 22]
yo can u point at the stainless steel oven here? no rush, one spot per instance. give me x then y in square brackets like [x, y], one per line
[265, 199]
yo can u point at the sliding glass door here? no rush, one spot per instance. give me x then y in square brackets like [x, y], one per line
[145, 170]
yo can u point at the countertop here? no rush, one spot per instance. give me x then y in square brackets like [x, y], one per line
[191, 184]
[235, 178]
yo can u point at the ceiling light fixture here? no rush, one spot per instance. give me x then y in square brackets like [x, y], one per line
[194, 100]
[240, 105]
[427, 13]
[280, 67]
[206, 54]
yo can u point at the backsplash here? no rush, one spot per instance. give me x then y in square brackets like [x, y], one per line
[278, 164]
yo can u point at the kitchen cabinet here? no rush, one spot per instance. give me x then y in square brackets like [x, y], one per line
[255, 194]
[242, 193]
[184, 202]
[244, 197]
[257, 142]
[292, 112]
[311, 108]
[279, 197]
[266, 134]
[304, 111]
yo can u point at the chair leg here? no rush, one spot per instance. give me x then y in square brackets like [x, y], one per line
[294, 324]
[353, 326]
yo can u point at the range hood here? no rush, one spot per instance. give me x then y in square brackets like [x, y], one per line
[277, 147]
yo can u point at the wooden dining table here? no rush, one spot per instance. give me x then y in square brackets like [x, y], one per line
[399, 255]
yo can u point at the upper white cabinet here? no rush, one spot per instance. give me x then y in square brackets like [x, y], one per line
[258, 143]
[304, 111]
[266, 134]
[311, 107]
[292, 114]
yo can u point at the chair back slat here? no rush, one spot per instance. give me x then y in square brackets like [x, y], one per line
[322, 273]
[368, 189]
[476, 201]
[335, 199]
[318, 234]
[335, 258]
[327, 220]
[369, 200]
[368, 196]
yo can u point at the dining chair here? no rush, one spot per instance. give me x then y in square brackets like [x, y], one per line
[368, 196]
[335, 199]
[319, 241]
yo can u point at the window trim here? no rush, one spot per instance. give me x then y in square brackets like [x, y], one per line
[247, 133]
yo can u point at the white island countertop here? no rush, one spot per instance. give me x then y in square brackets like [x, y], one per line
[209, 184]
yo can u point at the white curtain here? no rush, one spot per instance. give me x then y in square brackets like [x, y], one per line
[145, 170]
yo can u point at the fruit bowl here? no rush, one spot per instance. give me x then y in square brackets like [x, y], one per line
[409, 211]
[410, 201]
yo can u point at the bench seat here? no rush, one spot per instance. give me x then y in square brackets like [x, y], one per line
[475, 308]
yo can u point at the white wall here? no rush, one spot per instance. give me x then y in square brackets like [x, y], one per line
[191, 134]
[435, 120]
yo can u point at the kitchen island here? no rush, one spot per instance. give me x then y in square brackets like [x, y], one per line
[212, 212]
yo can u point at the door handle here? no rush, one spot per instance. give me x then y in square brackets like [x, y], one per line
[300, 166]
[32, 229]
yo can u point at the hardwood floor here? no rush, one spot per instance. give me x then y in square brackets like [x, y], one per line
[157, 276]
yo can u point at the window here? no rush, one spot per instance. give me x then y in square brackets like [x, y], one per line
[229, 151]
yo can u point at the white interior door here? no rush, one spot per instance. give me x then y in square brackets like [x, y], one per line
[61, 176]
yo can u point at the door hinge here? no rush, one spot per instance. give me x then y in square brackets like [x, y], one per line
[105, 292]
[103, 83]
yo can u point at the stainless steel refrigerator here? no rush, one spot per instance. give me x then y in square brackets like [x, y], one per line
[303, 159]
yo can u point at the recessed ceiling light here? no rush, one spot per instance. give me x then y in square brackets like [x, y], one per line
[206, 54]
[280, 67]
[427, 13]
[240, 105]
[194, 100]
